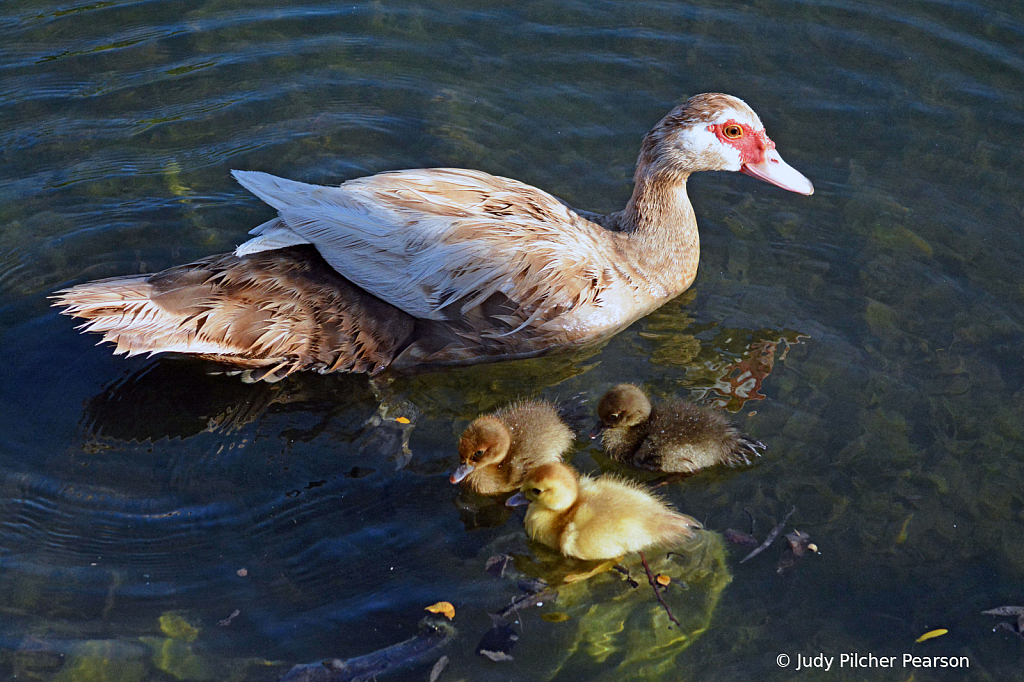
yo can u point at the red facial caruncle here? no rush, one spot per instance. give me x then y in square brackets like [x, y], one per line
[751, 144]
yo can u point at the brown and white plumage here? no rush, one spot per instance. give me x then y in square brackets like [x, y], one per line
[448, 266]
[673, 437]
[597, 518]
[497, 450]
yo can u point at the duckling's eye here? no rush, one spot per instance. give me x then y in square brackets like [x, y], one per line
[478, 454]
[536, 491]
[733, 131]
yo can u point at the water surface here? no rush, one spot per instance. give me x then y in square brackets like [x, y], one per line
[881, 321]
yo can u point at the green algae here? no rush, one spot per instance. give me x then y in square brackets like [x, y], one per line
[615, 631]
[104, 661]
[179, 659]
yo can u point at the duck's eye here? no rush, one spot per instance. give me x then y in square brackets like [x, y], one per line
[733, 131]
[535, 491]
[478, 454]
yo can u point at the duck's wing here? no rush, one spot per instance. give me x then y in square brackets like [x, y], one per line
[439, 242]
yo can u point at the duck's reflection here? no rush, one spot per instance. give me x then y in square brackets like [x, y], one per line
[174, 399]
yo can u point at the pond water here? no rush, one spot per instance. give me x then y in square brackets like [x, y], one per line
[881, 320]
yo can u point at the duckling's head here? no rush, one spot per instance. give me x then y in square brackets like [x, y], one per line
[485, 441]
[620, 408]
[714, 131]
[552, 486]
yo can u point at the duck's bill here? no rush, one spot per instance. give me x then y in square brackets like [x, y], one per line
[776, 171]
[517, 500]
[461, 473]
[599, 428]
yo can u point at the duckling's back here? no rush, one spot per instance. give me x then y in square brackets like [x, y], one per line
[538, 434]
[614, 517]
[683, 437]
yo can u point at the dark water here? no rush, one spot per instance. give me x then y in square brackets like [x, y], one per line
[882, 320]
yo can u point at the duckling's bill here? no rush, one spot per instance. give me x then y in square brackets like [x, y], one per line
[517, 500]
[461, 472]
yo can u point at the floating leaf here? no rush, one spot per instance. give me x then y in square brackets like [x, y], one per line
[555, 617]
[798, 542]
[902, 536]
[445, 608]
[931, 635]
[497, 564]
[663, 579]
[740, 538]
[402, 420]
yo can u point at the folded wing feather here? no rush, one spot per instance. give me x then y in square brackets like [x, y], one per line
[436, 242]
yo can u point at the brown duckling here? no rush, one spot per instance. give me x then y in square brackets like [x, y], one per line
[596, 518]
[497, 449]
[675, 437]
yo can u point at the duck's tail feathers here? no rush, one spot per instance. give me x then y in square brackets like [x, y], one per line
[269, 314]
[128, 311]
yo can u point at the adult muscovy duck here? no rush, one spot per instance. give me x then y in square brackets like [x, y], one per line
[432, 267]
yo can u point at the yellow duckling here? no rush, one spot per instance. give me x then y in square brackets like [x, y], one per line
[675, 437]
[497, 450]
[596, 518]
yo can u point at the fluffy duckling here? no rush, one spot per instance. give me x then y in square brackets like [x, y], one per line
[497, 449]
[596, 518]
[675, 437]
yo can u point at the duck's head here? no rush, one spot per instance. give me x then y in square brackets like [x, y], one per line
[551, 486]
[620, 408]
[485, 441]
[713, 131]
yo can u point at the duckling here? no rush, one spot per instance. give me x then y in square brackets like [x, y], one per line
[596, 518]
[497, 449]
[676, 437]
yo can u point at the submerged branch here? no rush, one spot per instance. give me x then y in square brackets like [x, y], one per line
[771, 537]
[657, 592]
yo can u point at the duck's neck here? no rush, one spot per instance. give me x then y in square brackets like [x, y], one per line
[659, 230]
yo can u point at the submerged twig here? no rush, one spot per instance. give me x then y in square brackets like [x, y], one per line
[657, 592]
[751, 515]
[771, 537]
[625, 571]
[526, 601]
